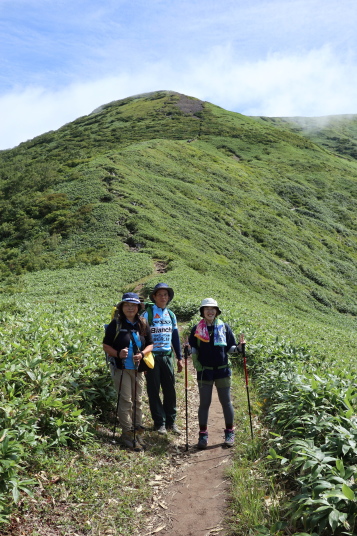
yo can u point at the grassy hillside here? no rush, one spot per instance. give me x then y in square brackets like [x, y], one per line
[337, 133]
[256, 212]
[176, 178]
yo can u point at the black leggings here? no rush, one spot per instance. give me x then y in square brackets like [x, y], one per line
[224, 395]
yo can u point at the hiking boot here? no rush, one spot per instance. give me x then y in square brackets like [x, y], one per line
[161, 429]
[202, 440]
[127, 439]
[139, 436]
[173, 428]
[229, 438]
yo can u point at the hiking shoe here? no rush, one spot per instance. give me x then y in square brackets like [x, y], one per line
[161, 429]
[173, 428]
[202, 440]
[127, 439]
[139, 436]
[229, 438]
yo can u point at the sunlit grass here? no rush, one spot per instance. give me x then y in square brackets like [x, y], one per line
[255, 216]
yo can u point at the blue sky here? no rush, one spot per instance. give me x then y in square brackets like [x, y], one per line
[61, 60]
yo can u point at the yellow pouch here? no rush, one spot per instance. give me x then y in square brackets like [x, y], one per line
[149, 360]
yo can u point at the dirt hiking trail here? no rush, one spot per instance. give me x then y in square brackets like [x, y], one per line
[191, 498]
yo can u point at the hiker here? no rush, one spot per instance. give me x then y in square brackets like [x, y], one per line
[165, 336]
[211, 340]
[126, 369]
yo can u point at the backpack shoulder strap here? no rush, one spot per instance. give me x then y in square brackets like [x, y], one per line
[172, 316]
[149, 310]
[118, 327]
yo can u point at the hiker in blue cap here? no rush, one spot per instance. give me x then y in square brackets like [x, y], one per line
[126, 369]
[165, 337]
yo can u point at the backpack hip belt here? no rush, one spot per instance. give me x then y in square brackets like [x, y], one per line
[215, 368]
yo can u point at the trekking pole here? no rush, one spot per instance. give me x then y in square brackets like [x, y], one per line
[246, 381]
[134, 416]
[186, 354]
[135, 351]
[116, 413]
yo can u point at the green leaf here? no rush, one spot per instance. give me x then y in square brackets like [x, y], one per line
[340, 466]
[348, 492]
[337, 494]
[273, 455]
[15, 491]
[31, 375]
[326, 507]
[305, 534]
[348, 404]
[333, 519]
[321, 486]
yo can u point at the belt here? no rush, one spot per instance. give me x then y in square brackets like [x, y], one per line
[215, 368]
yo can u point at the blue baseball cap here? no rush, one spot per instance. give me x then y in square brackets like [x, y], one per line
[130, 297]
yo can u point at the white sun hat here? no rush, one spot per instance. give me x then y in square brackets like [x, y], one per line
[209, 302]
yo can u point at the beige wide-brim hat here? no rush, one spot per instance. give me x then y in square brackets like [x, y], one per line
[209, 302]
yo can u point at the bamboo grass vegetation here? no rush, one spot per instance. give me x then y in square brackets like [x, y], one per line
[259, 213]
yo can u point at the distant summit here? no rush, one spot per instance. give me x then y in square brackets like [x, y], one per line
[186, 103]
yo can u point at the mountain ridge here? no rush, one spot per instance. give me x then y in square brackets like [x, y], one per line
[174, 177]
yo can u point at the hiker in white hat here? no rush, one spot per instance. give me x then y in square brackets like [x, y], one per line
[211, 340]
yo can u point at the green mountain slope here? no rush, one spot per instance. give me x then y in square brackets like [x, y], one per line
[258, 213]
[337, 133]
[259, 207]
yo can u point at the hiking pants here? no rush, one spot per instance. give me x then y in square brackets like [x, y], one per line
[224, 395]
[126, 402]
[162, 375]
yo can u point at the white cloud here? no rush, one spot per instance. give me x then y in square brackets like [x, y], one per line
[314, 84]
[29, 112]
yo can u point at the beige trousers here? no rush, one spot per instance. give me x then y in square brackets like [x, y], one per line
[125, 379]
